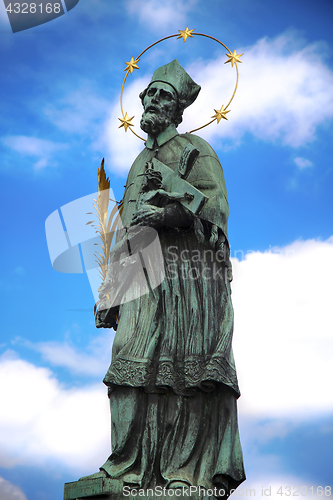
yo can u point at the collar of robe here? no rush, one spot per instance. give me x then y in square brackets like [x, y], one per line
[162, 138]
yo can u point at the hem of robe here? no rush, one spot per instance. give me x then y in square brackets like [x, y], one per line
[150, 454]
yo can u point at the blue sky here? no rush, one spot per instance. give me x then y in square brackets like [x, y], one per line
[60, 87]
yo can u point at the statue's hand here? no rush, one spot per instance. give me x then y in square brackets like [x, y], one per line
[148, 215]
[106, 318]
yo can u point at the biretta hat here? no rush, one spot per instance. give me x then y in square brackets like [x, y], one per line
[173, 74]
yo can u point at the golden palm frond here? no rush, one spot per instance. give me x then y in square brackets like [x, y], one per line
[103, 224]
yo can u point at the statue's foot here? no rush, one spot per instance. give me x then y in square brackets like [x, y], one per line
[182, 485]
[178, 484]
[133, 480]
[100, 473]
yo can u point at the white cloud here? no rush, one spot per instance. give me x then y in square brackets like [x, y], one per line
[283, 329]
[156, 15]
[303, 162]
[284, 94]
[83, 112]
[43, 421]
[259, 432]
[33, 146]
[78, 112]
[123, 147]
[10, 492]
[92, 361]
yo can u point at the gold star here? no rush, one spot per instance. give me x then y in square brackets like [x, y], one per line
[233, 58]
[220, 113]
[126, 122]
[185, 33]
[133, 64]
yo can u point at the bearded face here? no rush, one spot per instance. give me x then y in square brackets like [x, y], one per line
[160, 104]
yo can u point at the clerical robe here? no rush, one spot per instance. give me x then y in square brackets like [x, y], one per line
[172, 380]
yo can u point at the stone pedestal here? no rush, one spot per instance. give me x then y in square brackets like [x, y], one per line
[103, 488]
[100, 488]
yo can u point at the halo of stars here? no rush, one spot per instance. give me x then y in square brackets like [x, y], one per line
[220, 114]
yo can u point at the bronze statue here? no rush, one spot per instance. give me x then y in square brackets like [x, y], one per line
[172, 380]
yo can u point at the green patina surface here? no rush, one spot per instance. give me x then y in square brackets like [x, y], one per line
[172, 380]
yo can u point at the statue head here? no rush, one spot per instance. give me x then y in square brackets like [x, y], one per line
[170, 91]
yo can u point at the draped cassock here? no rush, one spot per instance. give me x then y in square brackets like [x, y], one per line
[172, 380]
